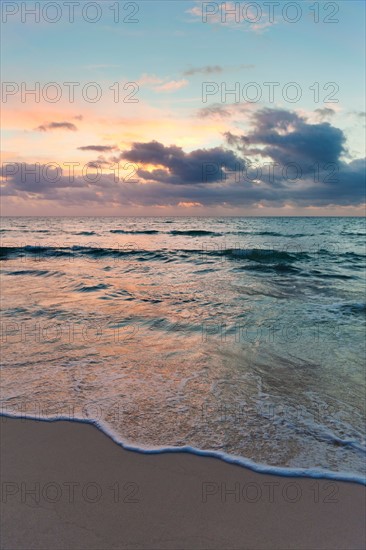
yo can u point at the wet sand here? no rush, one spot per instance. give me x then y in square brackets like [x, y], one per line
[68, 486]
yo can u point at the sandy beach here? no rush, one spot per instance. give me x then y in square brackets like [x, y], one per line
[67, 485]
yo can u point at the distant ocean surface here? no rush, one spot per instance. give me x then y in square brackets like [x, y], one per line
[244, 336]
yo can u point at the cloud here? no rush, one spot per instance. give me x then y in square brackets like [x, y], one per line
[183, 204]
[210, 69]
[325, 113]
[358, 114]
[172, 85]
[161, 84]
[98, 148]
[57, 126]
[286, 136]
[180, 167]
[235, 15]
[218, 110]
[215, 110]
[219, 176]
[149, 79]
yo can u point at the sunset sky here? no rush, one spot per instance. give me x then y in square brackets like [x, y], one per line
[178, 152]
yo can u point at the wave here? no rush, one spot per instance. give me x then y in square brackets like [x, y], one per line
[350, 256]
[93, 288]
[35, 272]
[269, 234]
[25, 230]
[48, 252]
[264, 233]
[137, 232]
[258, 255]
[195, 233]
[358, 308]
[280, 268]
[252, 254]
[262, 255]
[340, 276]
[353, 233]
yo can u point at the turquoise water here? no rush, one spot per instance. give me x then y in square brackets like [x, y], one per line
[243, 336]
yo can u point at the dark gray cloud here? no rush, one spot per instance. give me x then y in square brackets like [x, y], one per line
[35, 178]
[180, 167]
[98, 148]
[284, 136]
[57, 126]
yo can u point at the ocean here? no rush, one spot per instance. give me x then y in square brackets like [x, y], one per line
[242, 337]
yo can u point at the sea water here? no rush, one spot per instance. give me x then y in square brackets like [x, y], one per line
[243, 337]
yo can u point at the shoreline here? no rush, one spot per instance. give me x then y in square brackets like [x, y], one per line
[67, 485]
[258, 467]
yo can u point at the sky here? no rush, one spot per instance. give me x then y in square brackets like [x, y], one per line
[183, 108]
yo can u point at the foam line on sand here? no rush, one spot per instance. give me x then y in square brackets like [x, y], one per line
[315, 473]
